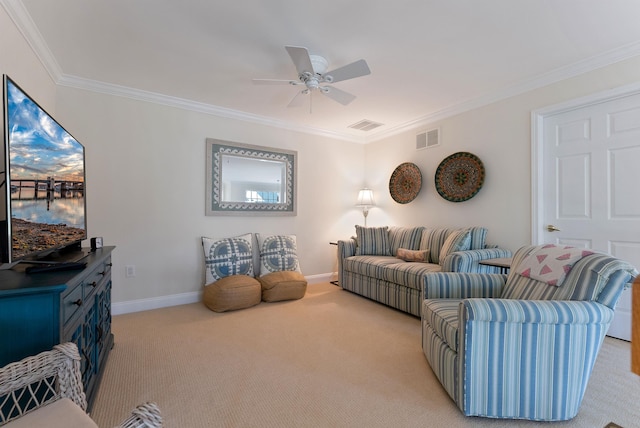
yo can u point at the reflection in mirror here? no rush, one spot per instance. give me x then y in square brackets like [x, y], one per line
[244, 179]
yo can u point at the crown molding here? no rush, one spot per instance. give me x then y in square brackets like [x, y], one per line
[590, 64]
[198, 107]
[20, 16]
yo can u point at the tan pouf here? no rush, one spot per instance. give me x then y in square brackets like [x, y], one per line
[231, 293]
[286, 285]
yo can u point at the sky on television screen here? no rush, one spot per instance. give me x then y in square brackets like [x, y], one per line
[39, 146]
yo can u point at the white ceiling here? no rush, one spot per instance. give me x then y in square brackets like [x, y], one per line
[428, 58]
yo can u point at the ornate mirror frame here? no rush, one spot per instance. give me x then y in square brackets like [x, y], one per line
[221, 155]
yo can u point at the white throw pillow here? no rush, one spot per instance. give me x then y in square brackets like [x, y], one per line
[228, 256]
[278, 253]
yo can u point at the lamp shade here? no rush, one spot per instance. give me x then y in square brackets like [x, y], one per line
[365, 198]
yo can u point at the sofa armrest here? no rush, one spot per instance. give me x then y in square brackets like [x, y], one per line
[542, 353]
[467, 261]
[455, 285]
[535, 311]
[346, 248]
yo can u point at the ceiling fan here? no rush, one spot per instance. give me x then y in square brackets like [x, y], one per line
[313, 75]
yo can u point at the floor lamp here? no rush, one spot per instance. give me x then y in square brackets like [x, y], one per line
[365, 201]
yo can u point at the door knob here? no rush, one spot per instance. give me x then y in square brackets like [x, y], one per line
[552, 228]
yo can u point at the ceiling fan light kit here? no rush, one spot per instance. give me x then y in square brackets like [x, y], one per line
[312, 73]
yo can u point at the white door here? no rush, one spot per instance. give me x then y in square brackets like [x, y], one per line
[590, 192]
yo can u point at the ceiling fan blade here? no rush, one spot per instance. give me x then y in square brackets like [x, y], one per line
[335, 94]
[298, 99]
[349, 71]
[301, 59]
[275, 82]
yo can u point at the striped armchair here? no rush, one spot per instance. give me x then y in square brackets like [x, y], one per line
[514, 346]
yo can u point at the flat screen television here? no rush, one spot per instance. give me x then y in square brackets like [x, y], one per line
[43, 208]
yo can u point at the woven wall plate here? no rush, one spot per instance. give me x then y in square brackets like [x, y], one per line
[405, 183]
[459, 177]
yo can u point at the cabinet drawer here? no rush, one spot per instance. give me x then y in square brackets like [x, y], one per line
[94, 280]
[91, 283]
[71, 303]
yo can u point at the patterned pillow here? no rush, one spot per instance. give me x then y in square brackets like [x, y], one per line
[278, 253]
[460, 240]
[372, 241]
[228, 256]
[413, 255]
[551, 263]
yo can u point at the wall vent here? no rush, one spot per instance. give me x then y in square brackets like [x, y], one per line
[427, 139]
[365, 125]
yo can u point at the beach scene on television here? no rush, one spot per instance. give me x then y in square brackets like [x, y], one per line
[46, 179]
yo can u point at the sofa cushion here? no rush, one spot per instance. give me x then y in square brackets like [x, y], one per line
[278, 253]
[404, 237]
[372, 266]
[372, 241]
[442, 316]
[62, 413]
[228, 256]
[410, 275]
[460, 240]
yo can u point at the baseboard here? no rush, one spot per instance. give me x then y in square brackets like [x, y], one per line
[323, 277]
[120, 308]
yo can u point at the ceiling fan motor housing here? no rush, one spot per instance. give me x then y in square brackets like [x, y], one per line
[319, 64]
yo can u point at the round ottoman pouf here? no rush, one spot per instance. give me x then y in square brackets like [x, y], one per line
[231, 293]
[285, 285]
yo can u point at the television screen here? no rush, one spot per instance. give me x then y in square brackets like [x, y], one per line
[45, 179]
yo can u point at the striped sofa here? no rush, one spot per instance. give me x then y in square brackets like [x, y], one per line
[516, 347]
[373, 270]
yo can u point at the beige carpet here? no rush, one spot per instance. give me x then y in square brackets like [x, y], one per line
[332, 359]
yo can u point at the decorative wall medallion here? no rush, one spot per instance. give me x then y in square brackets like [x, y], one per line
[405, 183]
[459, 177]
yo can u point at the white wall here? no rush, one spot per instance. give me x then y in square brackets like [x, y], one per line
[18, 61]
[146, 187]
[145, 174]
[500, 135]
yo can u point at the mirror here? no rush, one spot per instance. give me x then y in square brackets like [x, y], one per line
[246, 179]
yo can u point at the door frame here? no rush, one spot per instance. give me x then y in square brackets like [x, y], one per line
[537, 146]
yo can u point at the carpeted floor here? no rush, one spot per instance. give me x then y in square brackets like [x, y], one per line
[331, 359]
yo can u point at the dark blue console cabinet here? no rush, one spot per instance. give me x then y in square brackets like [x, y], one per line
[40, 310]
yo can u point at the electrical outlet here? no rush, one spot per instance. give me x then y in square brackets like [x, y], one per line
[130, 271]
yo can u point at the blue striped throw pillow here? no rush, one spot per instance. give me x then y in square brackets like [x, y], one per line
[372, 241]
[459, 240]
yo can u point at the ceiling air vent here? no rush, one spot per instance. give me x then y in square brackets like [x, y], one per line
[427, 139]
[365, 125]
